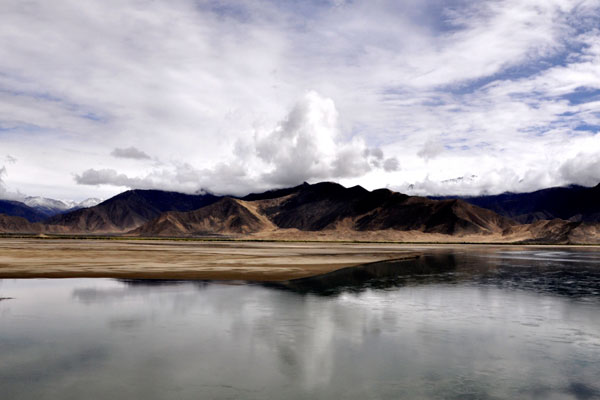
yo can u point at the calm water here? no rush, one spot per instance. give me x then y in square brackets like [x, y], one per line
[477, 325]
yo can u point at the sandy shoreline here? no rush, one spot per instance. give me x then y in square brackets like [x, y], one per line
[250, 261]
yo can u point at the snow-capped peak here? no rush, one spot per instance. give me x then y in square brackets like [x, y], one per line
[91, 202]
[43, 202]
[50, 207]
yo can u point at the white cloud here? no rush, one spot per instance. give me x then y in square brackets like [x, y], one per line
[2, 173]
[108, 176]
[5, 193]
[305, 146]
[496, 77]
[583, 169]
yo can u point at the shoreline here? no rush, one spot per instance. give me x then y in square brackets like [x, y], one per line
[252, 261]
[172, 260]
[214, 239]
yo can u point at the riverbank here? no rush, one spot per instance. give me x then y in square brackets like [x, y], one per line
[164, 259]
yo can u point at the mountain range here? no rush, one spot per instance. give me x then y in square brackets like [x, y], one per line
[50, 207]
[37, 209]
[128, 210]
[329, 211]
[573, 203]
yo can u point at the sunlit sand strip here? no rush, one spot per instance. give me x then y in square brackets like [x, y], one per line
[30, 258]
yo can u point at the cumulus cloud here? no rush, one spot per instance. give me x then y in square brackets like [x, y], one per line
[130, 152]
[306, 145]
[583, 169]
[5, 192]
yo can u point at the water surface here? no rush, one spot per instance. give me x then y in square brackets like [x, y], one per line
[477, 324]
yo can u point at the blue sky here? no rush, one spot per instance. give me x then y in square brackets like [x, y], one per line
[232, 97]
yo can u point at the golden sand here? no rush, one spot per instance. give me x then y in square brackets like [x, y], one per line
[164, 259]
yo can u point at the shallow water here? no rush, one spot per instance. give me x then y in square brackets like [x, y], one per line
[485, 324]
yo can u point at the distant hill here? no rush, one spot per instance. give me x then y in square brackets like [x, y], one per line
[128, 211]
[12, 224]
[18, 209]
[573, 203]
[330, 206]
[556, 231]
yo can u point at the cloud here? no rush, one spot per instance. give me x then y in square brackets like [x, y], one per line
[493, 182]
[391, 165]
[221, 179]
[511, 84]
[109, 176]
[584, 169]
[5, 192]
[130, 152]
[431, 149]
[10, 159]
[306, 145]
[2, 174]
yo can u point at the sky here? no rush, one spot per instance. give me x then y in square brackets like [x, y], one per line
[426, 97]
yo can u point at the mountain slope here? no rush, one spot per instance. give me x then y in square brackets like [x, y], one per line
[556, 231]
[575, 203]
[18, 209]
[329, 207]
[128, 210]
[48, 207]
[12, 224]
[226, 216]
[325, 205]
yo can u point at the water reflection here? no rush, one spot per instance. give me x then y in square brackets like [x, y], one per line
[577, 276]
[375, 275]
[445, 326]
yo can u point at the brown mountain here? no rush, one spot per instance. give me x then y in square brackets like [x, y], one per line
[325, 210]
[329, 207]
[557, 231]
[226, 216]
[13, 224]
[127, 211]
[325, 205]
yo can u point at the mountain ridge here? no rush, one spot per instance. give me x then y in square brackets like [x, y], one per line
[322, 211]
[573, 203]
[329, 207]
[128, 210]
[15, 208]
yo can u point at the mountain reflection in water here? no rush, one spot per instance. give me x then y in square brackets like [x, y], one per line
[483, 323]
[576, 274]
